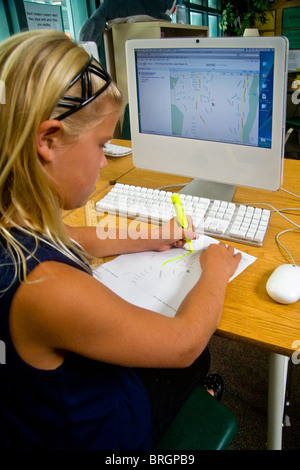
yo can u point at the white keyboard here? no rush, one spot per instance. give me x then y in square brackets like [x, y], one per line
[112, 150]
[220, 219]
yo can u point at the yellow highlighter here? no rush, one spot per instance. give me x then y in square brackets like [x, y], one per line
[181, 215]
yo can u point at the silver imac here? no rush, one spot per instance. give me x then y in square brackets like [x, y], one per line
[212, 109]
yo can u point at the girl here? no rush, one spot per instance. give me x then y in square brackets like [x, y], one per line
[84, 369]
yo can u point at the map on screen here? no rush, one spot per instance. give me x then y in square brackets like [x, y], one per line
[199, 106]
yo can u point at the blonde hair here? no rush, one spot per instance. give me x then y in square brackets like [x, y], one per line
[37, 68]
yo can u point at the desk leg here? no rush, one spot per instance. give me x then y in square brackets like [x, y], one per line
[276, 397]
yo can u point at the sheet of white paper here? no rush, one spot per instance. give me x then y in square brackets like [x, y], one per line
[141, 279]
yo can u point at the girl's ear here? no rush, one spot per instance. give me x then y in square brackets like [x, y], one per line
[49, 135]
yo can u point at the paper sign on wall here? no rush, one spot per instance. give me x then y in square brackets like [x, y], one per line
[41, 16]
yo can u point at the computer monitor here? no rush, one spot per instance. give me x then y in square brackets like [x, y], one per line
[212, 109]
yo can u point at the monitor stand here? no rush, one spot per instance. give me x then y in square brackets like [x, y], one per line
[209, 189]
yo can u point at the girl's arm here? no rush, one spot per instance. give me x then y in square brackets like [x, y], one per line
[100, 242]
[65, 310]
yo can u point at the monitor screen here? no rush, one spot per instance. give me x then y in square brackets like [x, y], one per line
[210, 108]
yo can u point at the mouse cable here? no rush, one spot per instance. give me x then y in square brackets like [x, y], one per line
[289, 192]
[162, 188]
[277, 210]
[283, 247]
[181, 185]
[284, 231]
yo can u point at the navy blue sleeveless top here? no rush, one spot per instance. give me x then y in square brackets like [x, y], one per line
[83, 404]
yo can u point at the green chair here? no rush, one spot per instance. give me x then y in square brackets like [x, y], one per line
[203, 423]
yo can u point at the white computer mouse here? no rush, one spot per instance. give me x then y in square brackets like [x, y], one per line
[284, 284]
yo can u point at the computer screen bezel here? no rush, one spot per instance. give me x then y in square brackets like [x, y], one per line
[229, 164]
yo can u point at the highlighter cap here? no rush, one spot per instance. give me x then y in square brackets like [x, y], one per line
[175, 198]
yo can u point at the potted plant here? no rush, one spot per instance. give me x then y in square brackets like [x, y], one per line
[237, 15]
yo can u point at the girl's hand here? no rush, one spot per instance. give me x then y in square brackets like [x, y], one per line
[172, 235]
[220, 258]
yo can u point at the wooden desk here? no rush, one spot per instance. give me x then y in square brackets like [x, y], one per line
[249, 315]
